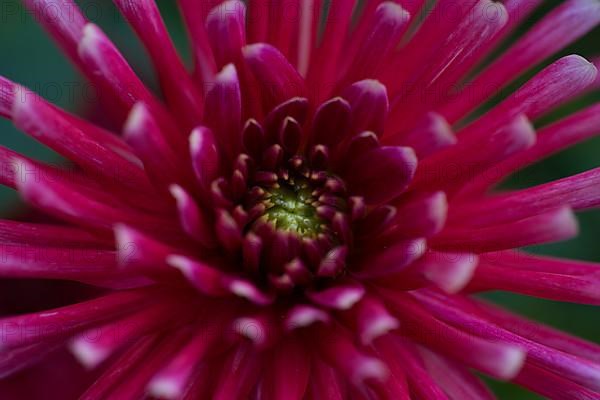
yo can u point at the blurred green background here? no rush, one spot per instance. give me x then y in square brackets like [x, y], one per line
[29, 57]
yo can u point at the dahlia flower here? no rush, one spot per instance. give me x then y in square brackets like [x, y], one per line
[311, 213]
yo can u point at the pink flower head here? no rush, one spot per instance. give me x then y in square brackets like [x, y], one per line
[309, 213]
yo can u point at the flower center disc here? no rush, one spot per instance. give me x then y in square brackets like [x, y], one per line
[289, 208]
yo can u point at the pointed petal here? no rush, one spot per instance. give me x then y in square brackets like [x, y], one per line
[497, 358]
[225, 26]
[382, 174]
[223, 110]
[184, 99]
[332, 122]
[390, 258]
[287, 375]
[303, 315]
[279, 81]
[340, 296]
[205, 156]
[36, 327]
[552, 226]
[369, 105]
[192, 218]
[387, 27]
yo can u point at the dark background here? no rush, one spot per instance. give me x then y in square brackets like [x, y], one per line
[29, 57]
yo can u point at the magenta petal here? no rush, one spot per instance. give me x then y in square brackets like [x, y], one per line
[139, 252]
[451, 272]
[228, 231]
[223, 110]
[205, 157]
[579, 191]
[226, 31]
[302, 316]
[172, 380]
[326, 382]
[377, 220]
[183, 97]
[290, 135]
[539, 333]
[143, 134]
[419, 379]
[341, 352]
[122, 366]
[296, 108]
[501, 359]
[455, 380]
[333, 262]
[95, 346]
[456, 312]
[421, 217]
[205, 65]
[248, 291]
[23, 233]
[382, 174]
[373, 320]
[326, 60]
[288, 372]
[135, 385]
[357, 147]
[369, 105]
[557, 83]
[544, 278]
[278, 79]
[203, 277]
[259, 329]
[253, 138]
[61, 132]
[193, 220]
[7, 93]
[554, 385]
[107, 68]
[36, 327]
[563, 25]
[552, 226]
[430, 135]
[387, 26]
[341, 296]
[550, 139]
[332, 122]
[20, 359]
[391, 259]
[239, 373]
[70, 263]
[452, 168]
[252, 248]
[73, 200]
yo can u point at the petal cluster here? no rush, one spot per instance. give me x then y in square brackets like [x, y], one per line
[309, 213]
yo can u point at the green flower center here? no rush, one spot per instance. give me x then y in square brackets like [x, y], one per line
[289, 208]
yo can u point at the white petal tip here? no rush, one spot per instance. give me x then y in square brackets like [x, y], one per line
[177, 192]
[179, 262]
[304, 316]
[136, 119]
[370, 369]
[511, 363]
[228, 74]
[252, 329]
[86, 353]
[378, 328]
[164, 388]
[89, 37]
[347, 300]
